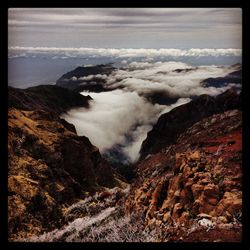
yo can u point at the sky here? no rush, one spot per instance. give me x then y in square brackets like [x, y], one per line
[182, 28]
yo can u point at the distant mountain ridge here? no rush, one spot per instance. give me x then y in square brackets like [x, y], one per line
[233, 77]
[72, 79]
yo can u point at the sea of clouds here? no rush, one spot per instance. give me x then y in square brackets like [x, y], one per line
[124, 115]
[126, 110]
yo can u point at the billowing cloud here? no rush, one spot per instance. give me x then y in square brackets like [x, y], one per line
[114, 114]
[93, 77]
[111, 115]
[175, 79]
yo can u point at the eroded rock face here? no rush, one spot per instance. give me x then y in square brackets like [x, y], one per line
[49, 168]
[198, 175]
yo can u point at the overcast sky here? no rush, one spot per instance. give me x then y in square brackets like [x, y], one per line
[126, 27]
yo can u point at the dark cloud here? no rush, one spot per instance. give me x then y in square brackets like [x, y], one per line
[108, 24]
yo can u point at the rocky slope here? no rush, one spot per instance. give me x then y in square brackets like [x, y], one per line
[170, 125]
[49, 166]
[191, 189]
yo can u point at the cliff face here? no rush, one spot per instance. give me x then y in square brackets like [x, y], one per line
[170, 125]
[49, 166]
[191, 190]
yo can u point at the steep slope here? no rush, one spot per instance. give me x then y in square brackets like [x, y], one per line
[49, 166]
[170, 125]
[191, 190]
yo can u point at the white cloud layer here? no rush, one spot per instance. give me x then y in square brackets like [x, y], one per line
[175, 79]
[114, 114]
[123, 53]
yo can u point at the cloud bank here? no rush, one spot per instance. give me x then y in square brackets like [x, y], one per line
[121, 53]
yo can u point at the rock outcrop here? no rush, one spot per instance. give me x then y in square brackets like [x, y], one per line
[194, 181]
[49, 166]
[170, 125]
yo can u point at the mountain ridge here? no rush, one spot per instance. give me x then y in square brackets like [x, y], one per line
[171, 124]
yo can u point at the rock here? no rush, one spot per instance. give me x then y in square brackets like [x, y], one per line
[212, 200]
[184, 219]
[211, 194]
[159, 216]
[177, 193]
[225, 226]
[197, 190]
[172, 188]
[205, 181]
[205, 207]
[229, 205]
[20, 185]
[195, 156]
[177, 211]
[222, 219]
[228, 185]
[166, 217]
[158, 222]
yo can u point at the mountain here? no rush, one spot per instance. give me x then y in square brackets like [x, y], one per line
[234, 77]
[49, 166]
[170, 125]
[86, 78]
[187, 185]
